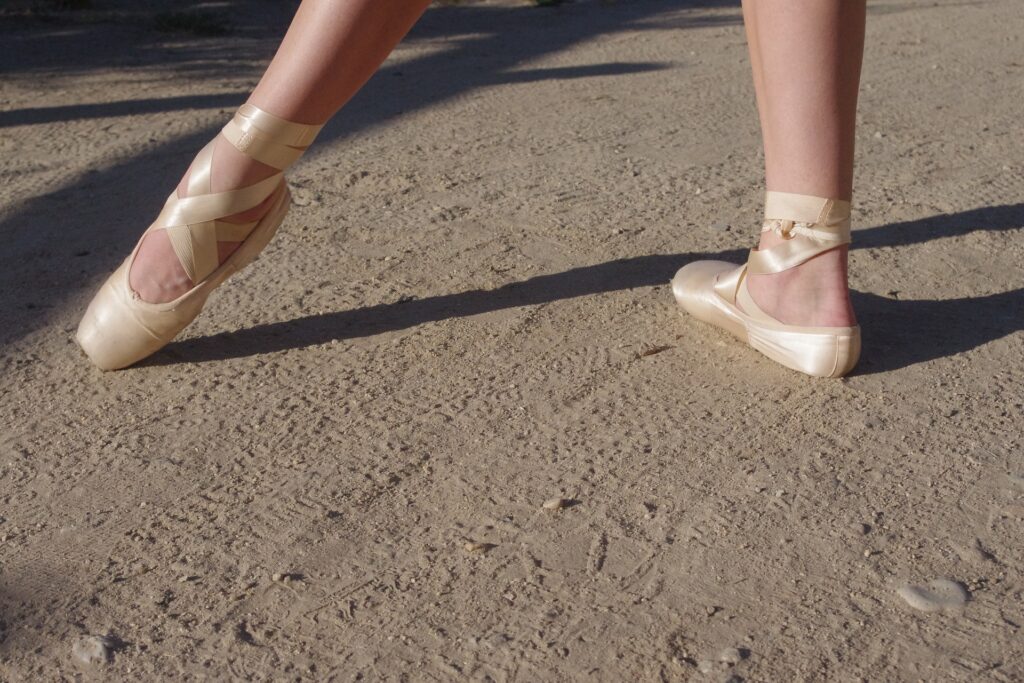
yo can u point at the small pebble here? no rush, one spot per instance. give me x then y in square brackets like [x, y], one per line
[497, 640]
[475, 547]
[705, 666]
[557, 503]
[937, 595]
[92, 649]
[277, 576]
[732, 655]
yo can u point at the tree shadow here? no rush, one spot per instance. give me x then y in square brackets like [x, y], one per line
[30, 116]
[121, 35]
[898, 333]
[48, 264]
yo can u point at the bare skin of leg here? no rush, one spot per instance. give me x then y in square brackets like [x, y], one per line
[806, 57]
[330, 50]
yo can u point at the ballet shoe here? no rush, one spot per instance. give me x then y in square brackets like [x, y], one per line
[716, 292]
[119, 328]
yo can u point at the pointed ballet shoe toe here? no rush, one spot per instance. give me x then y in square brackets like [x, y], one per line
[716, 292]
[119, 329]
[113, 332]
[694, 289]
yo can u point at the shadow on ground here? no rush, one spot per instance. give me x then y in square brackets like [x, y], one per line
[897, 333]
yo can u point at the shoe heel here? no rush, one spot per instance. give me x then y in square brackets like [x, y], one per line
[816, 354]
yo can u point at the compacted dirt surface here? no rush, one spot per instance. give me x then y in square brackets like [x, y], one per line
[340, 471]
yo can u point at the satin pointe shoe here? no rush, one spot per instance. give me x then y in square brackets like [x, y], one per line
[119, 328]
[716, 291]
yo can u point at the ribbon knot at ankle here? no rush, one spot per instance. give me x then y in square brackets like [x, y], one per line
[787, 229]
[818, 218]
[820, 224]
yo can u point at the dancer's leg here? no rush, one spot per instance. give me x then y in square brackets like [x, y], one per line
[806, 57]
[331, 49]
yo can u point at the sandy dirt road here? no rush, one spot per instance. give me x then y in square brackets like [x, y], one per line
[455, 324]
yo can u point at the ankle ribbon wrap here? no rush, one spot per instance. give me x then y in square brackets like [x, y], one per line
[810, 225]
[193, 223]
[267, 138]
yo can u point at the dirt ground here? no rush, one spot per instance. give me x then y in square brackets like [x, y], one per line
[465, 315]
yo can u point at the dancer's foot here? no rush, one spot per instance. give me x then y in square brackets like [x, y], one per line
[157, 275]
[790, 300]
[813, 294]
[119, 327]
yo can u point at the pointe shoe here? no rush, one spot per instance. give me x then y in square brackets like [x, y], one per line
[119, 328]
[716, 291]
